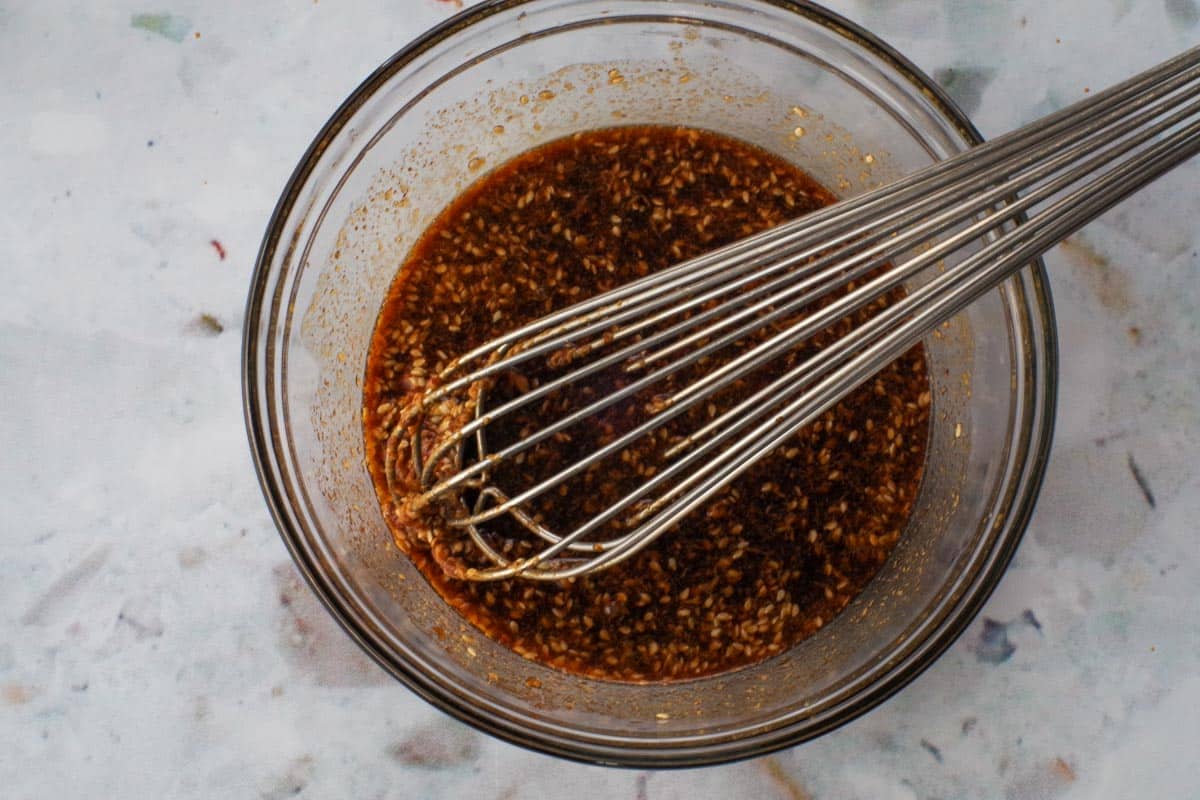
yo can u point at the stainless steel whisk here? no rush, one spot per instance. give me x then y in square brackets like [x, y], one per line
[1011, 199]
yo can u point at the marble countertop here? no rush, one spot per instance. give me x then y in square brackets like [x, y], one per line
[155, 640]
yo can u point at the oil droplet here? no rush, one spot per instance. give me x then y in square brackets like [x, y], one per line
[870, 159]
[545, 94]
[798, 132]
[499, 129]
[475, 164]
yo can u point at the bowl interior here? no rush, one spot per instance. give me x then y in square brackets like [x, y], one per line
[501, 80]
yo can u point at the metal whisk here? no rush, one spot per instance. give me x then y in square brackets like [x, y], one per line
[1008, 201]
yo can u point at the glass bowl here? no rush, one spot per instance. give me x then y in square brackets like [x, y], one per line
[493, 82]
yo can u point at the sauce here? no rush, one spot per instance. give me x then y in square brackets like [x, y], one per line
[773, 557]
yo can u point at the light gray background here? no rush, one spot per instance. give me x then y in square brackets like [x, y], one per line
[155, 640]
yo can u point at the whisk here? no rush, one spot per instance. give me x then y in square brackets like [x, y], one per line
[963, 225]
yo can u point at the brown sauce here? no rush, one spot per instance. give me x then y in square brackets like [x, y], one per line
[772, 558]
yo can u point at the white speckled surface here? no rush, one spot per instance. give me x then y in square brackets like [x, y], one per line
[155, 640]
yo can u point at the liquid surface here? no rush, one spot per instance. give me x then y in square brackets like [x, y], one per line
[772, 558]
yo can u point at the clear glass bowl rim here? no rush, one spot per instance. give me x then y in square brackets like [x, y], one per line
[257, 338]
